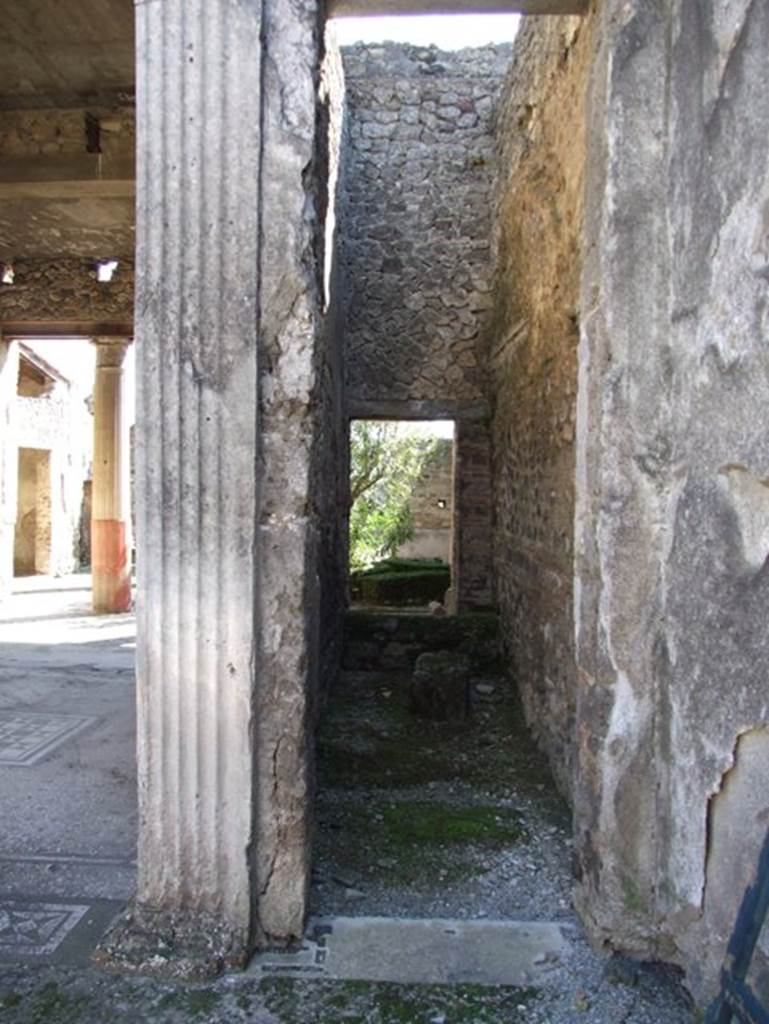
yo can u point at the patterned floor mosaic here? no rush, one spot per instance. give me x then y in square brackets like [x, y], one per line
[28, 736]
[36, 929]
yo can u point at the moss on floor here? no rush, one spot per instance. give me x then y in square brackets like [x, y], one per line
[360, 1002]
[426, 824]
[370, 740]
[46, 1005]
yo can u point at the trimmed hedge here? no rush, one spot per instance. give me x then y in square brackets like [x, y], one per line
[402, 581]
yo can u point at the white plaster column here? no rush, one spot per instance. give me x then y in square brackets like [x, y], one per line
[9, 460]
[223, 446]
[110, 561]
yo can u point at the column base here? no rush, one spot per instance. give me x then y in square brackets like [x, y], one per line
[178, 945]
[110, 570]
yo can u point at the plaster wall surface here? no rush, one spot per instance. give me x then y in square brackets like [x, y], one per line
[623, 215]
[59, 424]
[417, 220]
[533, 369]
[9, 377]
[32, 539]
[672, 520]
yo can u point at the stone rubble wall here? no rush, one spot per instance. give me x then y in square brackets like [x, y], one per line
[533, 370]
[417, 219]
[472, 577]
[54, 131]
[67, 289]
[434, 485]
[432, 523]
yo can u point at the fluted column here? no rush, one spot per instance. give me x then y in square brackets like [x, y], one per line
[224, 276]
[110, 561]
[9, 460]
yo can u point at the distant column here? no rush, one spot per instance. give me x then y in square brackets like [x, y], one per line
[9, 461]
[109, 547]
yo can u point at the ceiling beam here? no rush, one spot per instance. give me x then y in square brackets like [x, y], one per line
[18, 330]
[373, 8]
[67, 176]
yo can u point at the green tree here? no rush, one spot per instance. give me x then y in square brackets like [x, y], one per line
[385, 464]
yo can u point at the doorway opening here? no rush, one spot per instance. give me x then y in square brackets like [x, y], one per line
[32, 535]
[401, 513]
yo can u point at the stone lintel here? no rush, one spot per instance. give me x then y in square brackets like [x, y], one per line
[426, 409]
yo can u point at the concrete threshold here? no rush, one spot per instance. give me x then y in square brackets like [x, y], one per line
[418, 951]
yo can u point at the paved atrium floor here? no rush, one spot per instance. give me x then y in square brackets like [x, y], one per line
[67, 769]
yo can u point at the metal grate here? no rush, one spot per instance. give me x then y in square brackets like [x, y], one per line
[737, 1000]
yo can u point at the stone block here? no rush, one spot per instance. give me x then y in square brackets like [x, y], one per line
[440, 686]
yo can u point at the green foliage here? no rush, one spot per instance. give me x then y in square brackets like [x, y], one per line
[385, 465]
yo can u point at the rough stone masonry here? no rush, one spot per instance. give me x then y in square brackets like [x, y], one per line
[629, 379]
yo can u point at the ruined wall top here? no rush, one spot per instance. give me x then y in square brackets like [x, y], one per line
[405, 60]
[415, 220]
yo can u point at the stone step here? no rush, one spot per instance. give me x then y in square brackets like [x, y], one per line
[420, 951]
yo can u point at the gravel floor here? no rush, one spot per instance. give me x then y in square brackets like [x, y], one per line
[378, 763]
[414, 819]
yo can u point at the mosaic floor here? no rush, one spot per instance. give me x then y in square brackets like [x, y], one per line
[28, 736]
[36, 929]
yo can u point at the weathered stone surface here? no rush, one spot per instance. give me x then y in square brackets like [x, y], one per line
[533, 369]
[440, 686]
[432, 508]
[472, 569]
[672, 443]
[669, 456]
[373, 641]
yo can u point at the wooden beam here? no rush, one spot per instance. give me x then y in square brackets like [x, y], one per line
[18, 330]
[375, 8]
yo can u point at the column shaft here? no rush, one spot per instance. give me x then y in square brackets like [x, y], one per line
[223, 445]
[110, 562]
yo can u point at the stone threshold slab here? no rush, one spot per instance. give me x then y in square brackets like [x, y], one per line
[418, 951]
